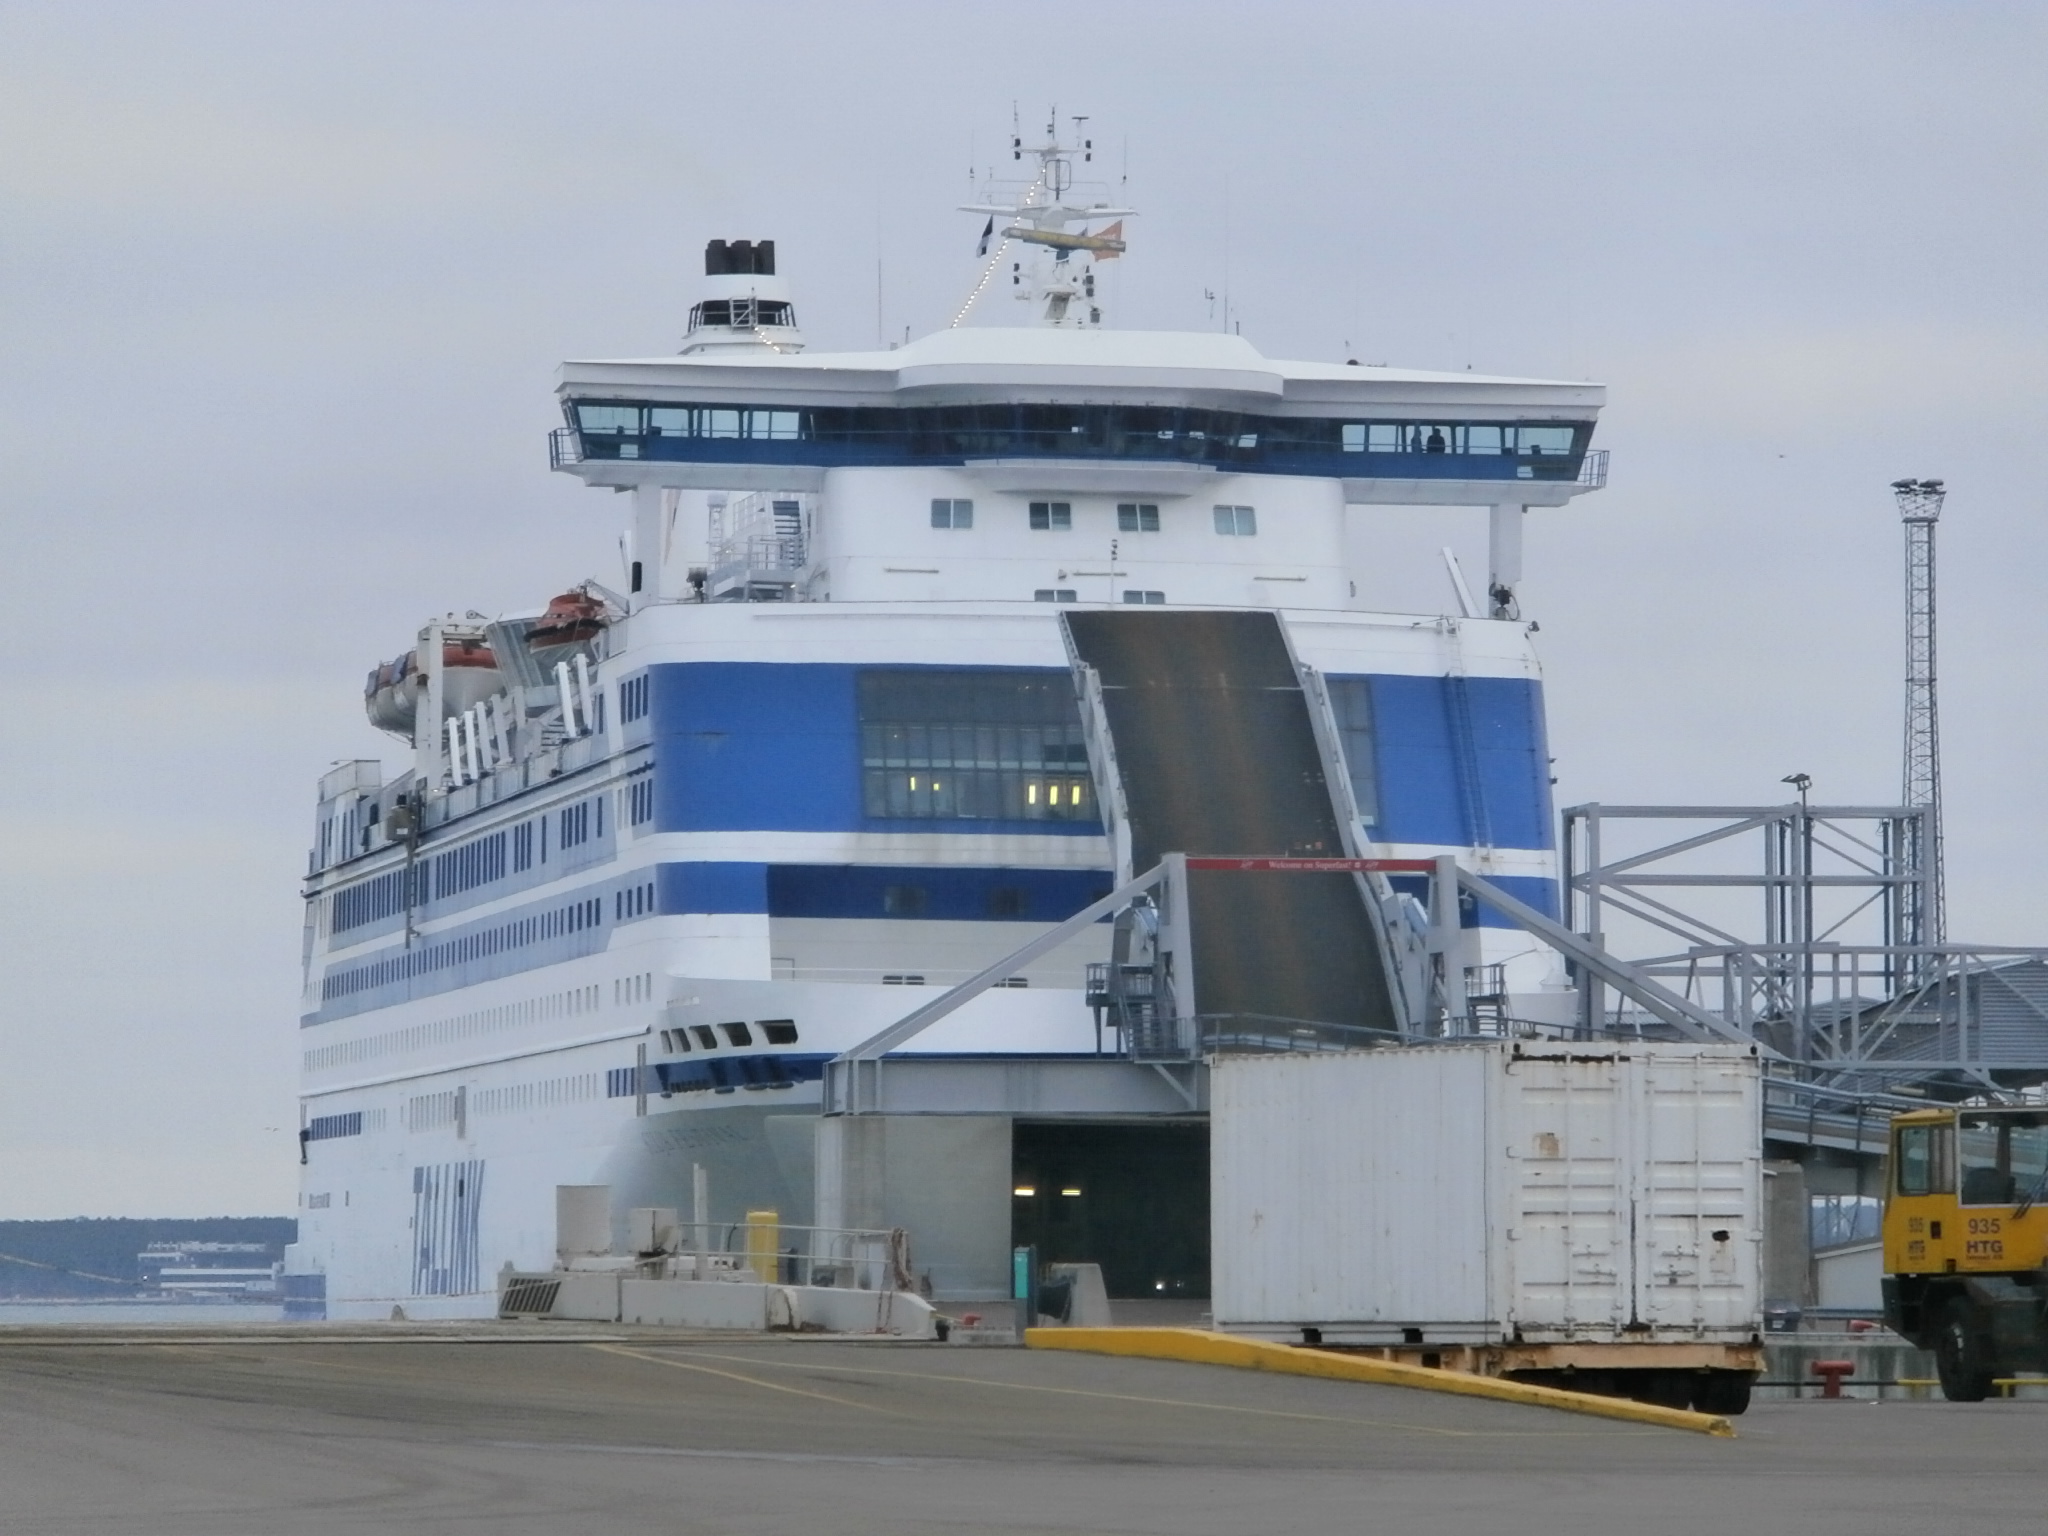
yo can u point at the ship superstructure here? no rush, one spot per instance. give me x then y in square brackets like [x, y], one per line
[667, 845]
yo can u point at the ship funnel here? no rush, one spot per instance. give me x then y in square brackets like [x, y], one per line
[739, 258]
[746, 307]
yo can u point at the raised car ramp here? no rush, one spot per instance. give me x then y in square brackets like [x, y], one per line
[1203, 742]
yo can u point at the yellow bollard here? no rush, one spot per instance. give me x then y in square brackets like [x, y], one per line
[764, 1233]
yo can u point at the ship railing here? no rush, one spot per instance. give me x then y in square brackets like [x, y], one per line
[854, 1258]
[565, 448]
[1593, 469]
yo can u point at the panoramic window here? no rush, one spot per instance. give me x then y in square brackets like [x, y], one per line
[1237, 522]
[952, 513]
[1137, 517]
[995, 745]
[1052, 514]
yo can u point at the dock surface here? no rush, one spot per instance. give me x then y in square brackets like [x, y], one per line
[260, 1436]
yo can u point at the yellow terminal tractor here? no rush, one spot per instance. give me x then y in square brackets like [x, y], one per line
[1966, 1242]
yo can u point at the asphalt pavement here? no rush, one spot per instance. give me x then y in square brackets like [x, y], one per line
[260, 1437]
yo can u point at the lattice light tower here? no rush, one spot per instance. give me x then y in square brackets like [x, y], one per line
[1920, 509]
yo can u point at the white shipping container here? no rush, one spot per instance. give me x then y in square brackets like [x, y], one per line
[1540, 1192]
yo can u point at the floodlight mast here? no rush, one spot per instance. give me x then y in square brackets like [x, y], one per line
[1920, 504]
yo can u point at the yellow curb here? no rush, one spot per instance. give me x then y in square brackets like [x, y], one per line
[1201, 1347]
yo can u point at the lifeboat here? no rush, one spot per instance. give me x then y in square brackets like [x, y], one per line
[572, 623]
[392, 691]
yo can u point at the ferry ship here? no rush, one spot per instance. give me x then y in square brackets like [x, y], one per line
[667, 844]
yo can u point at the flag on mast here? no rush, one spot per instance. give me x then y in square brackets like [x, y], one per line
[988, 231]
[1110, 232]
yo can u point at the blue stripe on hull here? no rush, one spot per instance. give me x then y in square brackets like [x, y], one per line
[756, 746]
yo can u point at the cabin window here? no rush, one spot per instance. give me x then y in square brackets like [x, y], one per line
[952, 513]
[778, 1031]
[1923, 1160]
[1052, 515]
[1137, 517]
[1143, 595]
[738, 1033]
[2001, 1157]
[1055, 595]
[706, 1036]
[1237, 522]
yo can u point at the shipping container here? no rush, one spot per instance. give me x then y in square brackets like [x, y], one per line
[1523, 1208]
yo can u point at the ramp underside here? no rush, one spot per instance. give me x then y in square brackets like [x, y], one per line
[1217, 756]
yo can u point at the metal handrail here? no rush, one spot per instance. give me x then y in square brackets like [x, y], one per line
[565, 448]
[1593, 469]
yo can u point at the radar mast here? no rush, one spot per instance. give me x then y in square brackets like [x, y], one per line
[1050, 264]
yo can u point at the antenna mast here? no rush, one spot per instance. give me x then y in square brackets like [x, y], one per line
[1920, 509]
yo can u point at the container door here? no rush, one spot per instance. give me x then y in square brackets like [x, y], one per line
[1566, 1120]
[1698, 1228]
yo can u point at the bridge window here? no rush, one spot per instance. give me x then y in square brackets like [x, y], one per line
[952, 513]
[1237, 522]
[981, 745]
[617, 429]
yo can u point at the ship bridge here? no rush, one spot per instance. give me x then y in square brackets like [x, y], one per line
[888, 457]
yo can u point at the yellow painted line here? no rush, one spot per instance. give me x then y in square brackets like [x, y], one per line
[1235, 1410]
[752, 1381]
[1199, 1347]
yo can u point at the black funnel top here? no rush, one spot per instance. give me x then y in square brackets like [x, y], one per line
[726, 258]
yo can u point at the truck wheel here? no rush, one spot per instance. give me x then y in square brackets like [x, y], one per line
[1722, 1392]
[1959, 1356]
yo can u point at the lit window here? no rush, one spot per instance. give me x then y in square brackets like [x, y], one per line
[1135, 595]
[941, 744]
[1052, 514]
[1137, 517]
[1237, 522]
[1055, 595]
[1024, 1191]
[952, 513]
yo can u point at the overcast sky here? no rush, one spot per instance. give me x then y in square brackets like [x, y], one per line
[282, 288]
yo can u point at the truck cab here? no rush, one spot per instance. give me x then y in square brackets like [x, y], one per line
[1966, 1239]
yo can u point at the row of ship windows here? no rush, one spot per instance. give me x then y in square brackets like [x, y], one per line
[462, 1026]
[914, 980]
[633, 699]
[1128, 431]
[475, 863]
[1131, 517]
[738, 1033]
[1072, 595]
[633, 901]
[574, 918]
[454, 1107]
